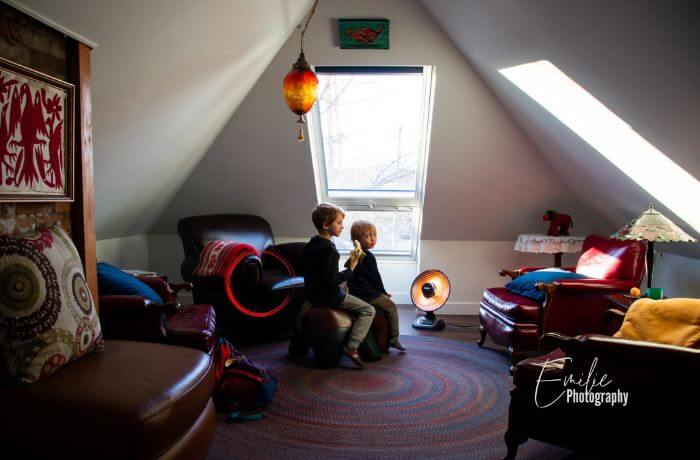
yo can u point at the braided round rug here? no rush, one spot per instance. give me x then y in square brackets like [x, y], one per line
[442, 398]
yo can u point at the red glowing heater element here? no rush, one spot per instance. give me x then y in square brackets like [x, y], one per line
[300, 86]
[429, 292]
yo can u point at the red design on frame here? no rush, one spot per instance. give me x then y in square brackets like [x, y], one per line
[36, 141]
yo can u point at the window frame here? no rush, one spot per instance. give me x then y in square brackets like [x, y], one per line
[379, 200]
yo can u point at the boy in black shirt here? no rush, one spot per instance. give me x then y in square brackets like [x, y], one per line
[322, 279]
[366, 282]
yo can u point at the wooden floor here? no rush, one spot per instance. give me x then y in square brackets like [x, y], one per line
[464, 328]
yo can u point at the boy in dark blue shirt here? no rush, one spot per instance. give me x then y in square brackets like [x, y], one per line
[322, 279]
[366, 282]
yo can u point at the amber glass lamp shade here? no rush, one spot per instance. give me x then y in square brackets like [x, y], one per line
[429, 292]
[300, 87]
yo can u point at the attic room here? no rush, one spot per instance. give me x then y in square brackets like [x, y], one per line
[349, 229]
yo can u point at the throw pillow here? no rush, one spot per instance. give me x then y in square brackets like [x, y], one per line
[113, 281]
[47, 316]
[524, 285]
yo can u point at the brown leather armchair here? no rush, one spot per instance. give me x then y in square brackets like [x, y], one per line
[132, 317]
[571, 307]
[660, 381]
[259, 282]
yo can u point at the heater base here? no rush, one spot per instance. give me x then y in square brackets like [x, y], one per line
[429, 322]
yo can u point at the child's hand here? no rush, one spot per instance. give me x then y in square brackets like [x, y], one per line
[351, 263]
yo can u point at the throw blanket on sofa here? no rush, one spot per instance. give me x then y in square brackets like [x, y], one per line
[218, 256]
[668, 321]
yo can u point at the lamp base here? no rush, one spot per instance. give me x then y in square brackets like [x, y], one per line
[429, 321]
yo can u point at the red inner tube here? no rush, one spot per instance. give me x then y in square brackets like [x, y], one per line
[242, 308]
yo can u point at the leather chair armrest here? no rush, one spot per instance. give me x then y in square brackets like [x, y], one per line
[161, 286]
[522, 270]
[623, 349]
[588, 285]
[512, 273]
[130, 317]
[292, 253]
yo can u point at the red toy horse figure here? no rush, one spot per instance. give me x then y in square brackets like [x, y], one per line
[558, 223]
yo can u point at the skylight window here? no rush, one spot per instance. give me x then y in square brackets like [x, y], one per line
[611, 136]
[369, 137]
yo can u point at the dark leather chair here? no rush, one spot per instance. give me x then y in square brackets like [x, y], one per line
[571, 307]
[132, 400]
[259, 282]
[132, 317]
[660, 380]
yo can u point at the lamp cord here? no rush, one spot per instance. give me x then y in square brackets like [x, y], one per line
[313, 10]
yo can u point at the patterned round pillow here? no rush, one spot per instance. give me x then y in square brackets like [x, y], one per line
[47, 316]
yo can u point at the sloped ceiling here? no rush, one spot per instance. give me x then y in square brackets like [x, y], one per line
[638, 58]
[167, 75]
[479, 163]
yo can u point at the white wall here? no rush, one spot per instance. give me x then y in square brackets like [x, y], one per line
[129, 252]
[678, 276]
[478, 155]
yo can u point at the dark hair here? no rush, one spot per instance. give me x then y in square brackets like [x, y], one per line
[325, 213]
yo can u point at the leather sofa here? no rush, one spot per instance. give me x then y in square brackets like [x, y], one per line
[132, 400]
[571, 307]
[660, 380]
[132, 317]
[259, 282]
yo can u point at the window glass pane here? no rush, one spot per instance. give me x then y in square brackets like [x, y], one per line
[371, 128]
[394, 230]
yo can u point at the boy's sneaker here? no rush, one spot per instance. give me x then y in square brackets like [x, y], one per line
[394, 343]
[354, 355]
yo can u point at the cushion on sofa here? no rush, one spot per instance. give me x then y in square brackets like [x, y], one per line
[47, 316]
[525, 285]
[113, 281]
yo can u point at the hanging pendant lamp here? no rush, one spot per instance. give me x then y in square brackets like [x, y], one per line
[300, 86]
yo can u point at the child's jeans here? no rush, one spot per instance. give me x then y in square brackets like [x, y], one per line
[384, 303]
[362, 315]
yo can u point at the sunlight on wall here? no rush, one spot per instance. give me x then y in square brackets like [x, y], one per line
[611, 136]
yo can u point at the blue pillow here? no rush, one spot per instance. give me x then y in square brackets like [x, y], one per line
[113, 281]
[525, 285]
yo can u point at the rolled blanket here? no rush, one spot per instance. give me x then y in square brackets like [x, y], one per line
[668, 321]
[218, 256]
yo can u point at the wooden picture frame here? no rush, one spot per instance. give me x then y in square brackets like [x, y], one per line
[36, 116]
[364, 33]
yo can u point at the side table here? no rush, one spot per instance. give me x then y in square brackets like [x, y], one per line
[615, 313]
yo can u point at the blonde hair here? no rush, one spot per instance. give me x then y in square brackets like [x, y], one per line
[359, 227]
[325, 213]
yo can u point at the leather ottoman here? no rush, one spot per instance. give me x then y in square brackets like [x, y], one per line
[511, 320]
[133, 400]
[325, 329]
[193, 326]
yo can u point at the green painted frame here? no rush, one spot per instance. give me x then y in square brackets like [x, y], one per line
[363, 33]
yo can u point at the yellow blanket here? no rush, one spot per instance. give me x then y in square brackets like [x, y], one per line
[668, 321]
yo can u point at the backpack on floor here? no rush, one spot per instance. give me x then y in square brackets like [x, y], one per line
[240, 382]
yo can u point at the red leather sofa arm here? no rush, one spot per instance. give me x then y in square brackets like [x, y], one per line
[131, 317]
[595, 285]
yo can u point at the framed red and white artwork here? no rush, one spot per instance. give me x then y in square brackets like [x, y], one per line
[36, 135]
